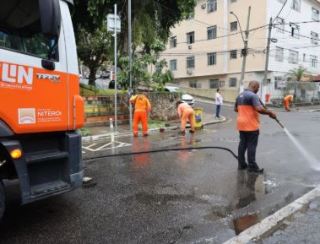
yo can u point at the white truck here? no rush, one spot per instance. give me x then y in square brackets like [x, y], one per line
[41, 108]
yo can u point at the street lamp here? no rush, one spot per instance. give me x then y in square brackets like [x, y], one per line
[244, 51]
[232, 13]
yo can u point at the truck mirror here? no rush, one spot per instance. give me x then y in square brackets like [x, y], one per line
[50, 17]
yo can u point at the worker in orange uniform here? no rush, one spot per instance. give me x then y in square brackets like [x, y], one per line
[287, 101]
[186, 113]
[248, 106]
[142, 107]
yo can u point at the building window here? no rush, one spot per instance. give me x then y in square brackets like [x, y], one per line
[279, 24]
[173, 41]
[233, 82]
[296, 4]
[234, 26]
[190, 62]
[233, 1]
[295, 29]
[304, 58]
[193, 84]
[211, 6]
[279, 83]
[314, 38]
[233, 54]
[214, 83]
[315, 14]
[212, 32]
[212, 58]
[173, 64]
[314, 61]
[293, 57]
[190, 37]
[279, 54]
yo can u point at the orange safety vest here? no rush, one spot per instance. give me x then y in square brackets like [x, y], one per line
[288, 98]
[141, 103]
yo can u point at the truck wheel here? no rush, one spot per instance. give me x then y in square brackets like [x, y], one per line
[2, 200]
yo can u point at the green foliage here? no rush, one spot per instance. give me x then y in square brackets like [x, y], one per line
[89, 90]
[151, 23]
[94, 48]
[297, 73]
[151, 19]
[146, 71]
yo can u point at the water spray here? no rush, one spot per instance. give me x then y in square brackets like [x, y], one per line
[311, 159]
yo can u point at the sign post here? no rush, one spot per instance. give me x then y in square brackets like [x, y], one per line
[114, 25]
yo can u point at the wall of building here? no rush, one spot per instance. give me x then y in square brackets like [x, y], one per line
[225, 67]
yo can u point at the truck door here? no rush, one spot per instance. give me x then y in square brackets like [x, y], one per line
[33, 71]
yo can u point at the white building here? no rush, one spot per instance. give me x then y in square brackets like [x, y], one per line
[205, 52]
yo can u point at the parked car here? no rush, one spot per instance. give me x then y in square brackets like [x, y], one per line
[185, 97]
[188, 99]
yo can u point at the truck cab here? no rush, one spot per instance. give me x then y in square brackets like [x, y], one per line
[41, 109]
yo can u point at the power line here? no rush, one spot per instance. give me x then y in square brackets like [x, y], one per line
[296, 35]
[227, 35]
[284, 4]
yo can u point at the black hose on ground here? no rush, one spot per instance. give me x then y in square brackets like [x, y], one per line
[165, 150]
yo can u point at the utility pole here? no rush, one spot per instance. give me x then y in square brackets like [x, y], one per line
[115, 70]
[244, 51]
[265, 78]
[130, 60]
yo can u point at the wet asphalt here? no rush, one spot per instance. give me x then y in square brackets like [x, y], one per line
[193, 196]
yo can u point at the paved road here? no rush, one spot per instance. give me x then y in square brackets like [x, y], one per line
[194, 196]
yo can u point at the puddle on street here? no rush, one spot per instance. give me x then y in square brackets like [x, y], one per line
[250, 188]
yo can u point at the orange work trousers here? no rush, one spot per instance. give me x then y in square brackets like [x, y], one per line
[187, 115]
[286, 105]
[140, 116]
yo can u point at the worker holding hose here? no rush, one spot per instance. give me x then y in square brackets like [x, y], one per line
[287, 101]
[186, 113]
[248, 106]
[142, 107]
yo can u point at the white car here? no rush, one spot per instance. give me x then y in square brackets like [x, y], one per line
[188, 99]
[185, 97]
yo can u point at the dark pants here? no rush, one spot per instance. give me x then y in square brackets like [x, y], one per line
[248, 142]
[218, 108]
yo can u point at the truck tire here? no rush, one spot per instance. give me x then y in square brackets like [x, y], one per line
[2, 200]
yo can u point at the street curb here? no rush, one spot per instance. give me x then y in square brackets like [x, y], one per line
[273, 220]
[101, 136]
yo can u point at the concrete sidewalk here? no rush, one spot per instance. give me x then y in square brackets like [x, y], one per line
[297, 222]
[98, 132]
[302, 227]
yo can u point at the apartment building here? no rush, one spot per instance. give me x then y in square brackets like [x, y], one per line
[206, 51]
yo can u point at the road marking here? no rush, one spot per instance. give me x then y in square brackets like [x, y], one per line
[94, 147]
[273, 220]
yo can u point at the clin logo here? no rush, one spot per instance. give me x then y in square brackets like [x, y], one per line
[13, 73]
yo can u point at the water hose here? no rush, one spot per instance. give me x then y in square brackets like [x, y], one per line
[165, 150]
[276, 119]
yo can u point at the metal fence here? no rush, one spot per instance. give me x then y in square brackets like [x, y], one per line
[304, 93]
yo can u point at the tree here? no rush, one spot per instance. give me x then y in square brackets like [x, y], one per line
[94, 48]
[297, 73]
[151, 20]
